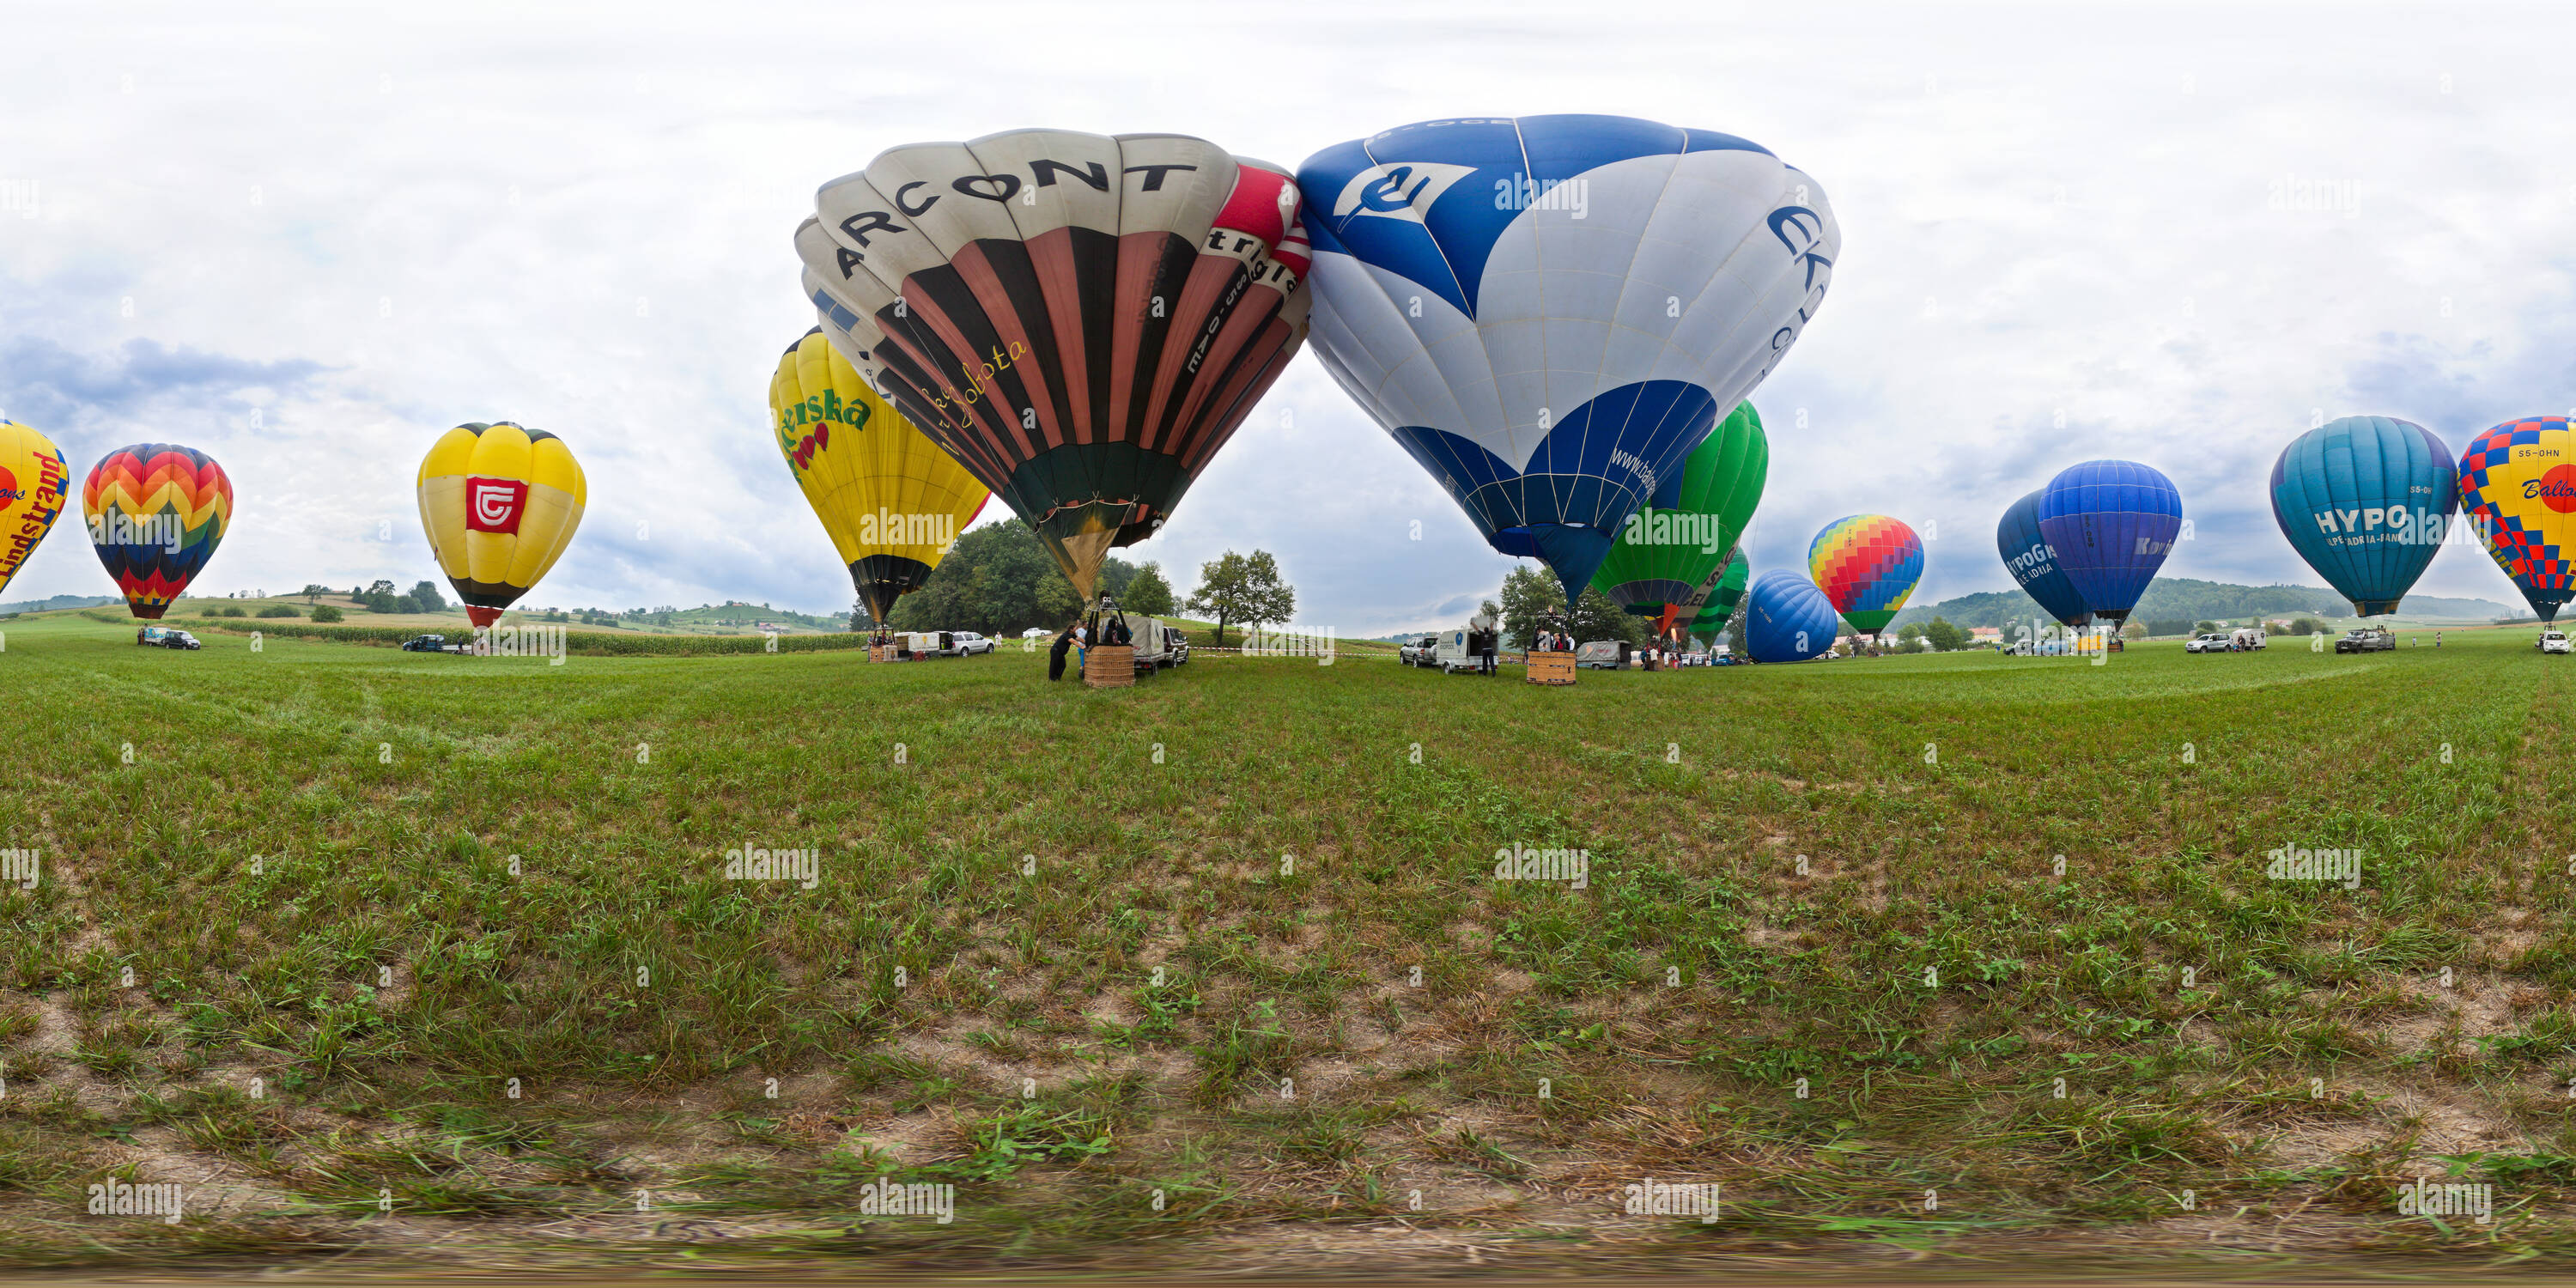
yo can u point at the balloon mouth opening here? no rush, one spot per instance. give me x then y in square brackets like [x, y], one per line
[480, 616]
[149, 612]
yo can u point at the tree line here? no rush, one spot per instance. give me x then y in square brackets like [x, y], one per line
[998, 580]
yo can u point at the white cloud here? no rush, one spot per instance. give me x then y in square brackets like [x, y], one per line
[580, 221]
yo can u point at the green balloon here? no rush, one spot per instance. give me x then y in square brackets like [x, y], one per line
[1726, 590]
[1676, 548]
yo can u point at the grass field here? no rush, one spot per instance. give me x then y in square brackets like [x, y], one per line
[438, 956]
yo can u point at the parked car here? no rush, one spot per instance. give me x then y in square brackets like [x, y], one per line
[2209, 642]
[2366, 639]
[1416, 650]
[430, 644]
[2553, 642]
[1601, 655]
[180, 639]
[1036, 633]
[968, 643]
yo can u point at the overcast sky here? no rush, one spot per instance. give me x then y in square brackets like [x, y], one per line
[307, 241]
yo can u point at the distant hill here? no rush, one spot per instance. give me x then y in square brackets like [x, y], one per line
[59, 601]
[2185, 599]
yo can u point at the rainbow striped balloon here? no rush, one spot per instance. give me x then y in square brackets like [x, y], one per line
[1866, 565]
[156, 513]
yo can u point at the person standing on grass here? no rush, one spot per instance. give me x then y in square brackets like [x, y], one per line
[1485, 659]
[1055, 655]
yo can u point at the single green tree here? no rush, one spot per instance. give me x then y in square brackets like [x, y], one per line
[1531, 602]
[1245, 589]
[1944, 637]
[427, 595]
[1147, 592]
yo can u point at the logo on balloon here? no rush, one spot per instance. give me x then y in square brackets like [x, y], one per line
[1405, 191]
[9, 487]
[494, 505]
[2555, 489]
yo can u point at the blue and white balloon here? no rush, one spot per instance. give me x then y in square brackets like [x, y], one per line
[2033, 563]
[1551, 312]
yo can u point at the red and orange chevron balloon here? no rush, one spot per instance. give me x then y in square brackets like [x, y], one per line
[1866, 565]
[156, 513]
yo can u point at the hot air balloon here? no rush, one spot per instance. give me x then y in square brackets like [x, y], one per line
[2518, 487]
[892, 501]
[156, 513]
[1551, 313]
[1713, 606]
[1081, 321]
[35, 485]
[1674, 549]
[2367, 501]
[1786, 619]
[2033, 563]
[1866, 565]
[2111, 524]
[500, 503]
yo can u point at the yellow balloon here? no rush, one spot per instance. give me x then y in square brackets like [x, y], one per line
[892, 500]
[500, 504]
[35, 489]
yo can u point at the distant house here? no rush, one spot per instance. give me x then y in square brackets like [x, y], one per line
[1988, 634]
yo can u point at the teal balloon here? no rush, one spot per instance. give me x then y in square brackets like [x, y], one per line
[2366, 500]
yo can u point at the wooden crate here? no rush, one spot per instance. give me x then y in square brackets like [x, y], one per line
[1551, 668]
[1109, 666]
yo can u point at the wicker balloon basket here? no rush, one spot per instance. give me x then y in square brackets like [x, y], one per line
[1109, 666]
[876, 652]
[1551, 668]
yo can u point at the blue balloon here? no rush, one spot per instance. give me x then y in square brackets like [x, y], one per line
[2111, 523]
[2028, 557]
[1550, 313]
[2366, 500]
[1786, 619]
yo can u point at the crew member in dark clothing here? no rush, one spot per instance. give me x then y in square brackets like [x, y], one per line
[1485, 652]
[1055, 655]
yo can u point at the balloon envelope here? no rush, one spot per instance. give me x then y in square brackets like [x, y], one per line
[2366, 500]
[1551, 313]
[891, 500]
[2518, 488]
[499, 502]
[1786, 619]
[35, 486]
[1674, 548]
[2033, 563]
[1081, 321]
[1714, 605]
[156, 513]
[2111, 524]
[1866, 565]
